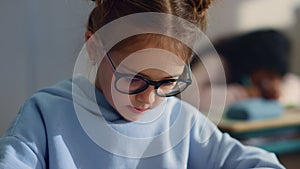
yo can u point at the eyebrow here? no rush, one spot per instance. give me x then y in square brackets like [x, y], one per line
[143, 75]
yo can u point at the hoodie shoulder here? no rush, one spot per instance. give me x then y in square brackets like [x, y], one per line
[61, 89]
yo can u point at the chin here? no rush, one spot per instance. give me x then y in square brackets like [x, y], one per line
[132, 118]
[128, 115]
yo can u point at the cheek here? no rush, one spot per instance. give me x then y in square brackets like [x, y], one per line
[104, 76]
[158, 101]
[104, 81]
[119, 99]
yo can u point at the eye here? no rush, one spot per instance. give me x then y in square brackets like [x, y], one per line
[129, 83]
[169, 83]
[134, 82]
[132, 79]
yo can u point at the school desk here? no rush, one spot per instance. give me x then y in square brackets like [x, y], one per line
[279, 135]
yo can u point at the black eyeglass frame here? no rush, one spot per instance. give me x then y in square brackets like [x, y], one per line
[156, 84]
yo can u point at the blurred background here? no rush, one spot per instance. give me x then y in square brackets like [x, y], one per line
[40, 41]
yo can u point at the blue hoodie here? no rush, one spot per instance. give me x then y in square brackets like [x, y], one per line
[61, 128]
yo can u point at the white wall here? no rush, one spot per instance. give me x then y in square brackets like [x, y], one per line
[40, 40]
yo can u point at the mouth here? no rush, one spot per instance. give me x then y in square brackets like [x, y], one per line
[137, 110]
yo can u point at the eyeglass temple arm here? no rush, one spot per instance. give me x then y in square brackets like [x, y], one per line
[189, 72]
[110, 61]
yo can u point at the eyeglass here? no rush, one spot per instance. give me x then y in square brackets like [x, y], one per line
[133, 84]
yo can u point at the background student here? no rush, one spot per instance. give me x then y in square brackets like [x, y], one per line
[256, 66]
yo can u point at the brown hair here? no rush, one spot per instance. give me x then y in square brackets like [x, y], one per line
[194, 11]
[105, 11]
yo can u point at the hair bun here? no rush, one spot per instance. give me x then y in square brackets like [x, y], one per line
[200, 6]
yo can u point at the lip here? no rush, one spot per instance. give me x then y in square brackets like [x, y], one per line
[137, 110]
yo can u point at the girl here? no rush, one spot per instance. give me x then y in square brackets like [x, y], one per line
[122, 115]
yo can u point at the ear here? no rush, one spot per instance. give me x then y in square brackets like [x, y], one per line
[87, 35]
[93, 47]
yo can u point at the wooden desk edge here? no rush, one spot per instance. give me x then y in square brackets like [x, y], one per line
[287, 119]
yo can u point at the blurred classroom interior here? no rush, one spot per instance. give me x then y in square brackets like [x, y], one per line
[39, 47]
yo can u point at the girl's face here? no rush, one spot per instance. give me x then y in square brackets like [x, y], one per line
[146, 61]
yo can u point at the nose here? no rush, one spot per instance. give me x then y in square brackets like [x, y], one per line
[147, 96]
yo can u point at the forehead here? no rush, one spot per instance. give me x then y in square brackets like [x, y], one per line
[150, 62]
[155, 41]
